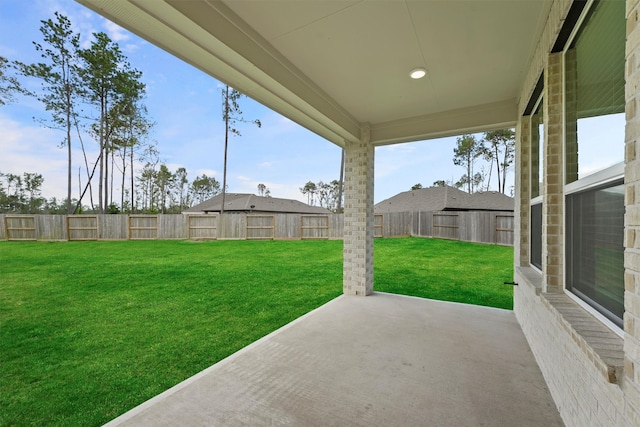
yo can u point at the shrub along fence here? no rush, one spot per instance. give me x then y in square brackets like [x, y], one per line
[474, 226]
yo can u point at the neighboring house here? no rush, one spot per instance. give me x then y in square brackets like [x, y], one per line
[250, 203]
[564, 73]
[444, 198]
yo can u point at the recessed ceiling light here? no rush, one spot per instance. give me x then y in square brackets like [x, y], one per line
[418, 73]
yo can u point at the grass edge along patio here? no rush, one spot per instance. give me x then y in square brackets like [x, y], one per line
[91, 329]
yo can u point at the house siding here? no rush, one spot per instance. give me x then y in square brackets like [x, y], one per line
[552, 203]
[631, 385]
[588, 387]
[583, 395]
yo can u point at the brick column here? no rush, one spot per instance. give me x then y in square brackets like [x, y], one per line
[632, 216]
[552, 200]
[358, 216]
[523, 186]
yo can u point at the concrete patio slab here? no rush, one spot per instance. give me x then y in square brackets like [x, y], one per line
[381, 360]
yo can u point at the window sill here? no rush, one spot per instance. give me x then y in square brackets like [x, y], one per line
[601, 345]
[533, 276]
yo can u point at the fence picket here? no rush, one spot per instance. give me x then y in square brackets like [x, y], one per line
[482, 227]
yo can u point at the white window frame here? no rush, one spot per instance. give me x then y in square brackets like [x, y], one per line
[601, 177]
[538, 200]
[597, 179]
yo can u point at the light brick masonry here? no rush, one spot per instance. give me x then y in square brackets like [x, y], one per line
[358, 216]
[552, 203]
[593, 374]
[631, 385]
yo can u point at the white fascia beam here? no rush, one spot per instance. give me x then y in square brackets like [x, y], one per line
[480, 118]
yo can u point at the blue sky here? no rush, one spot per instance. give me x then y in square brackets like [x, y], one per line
[185, 104]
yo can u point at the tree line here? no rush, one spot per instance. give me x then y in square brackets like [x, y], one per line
[496, 148]
[89, 93]
[324, 194]
[94, 94]
[158, 191]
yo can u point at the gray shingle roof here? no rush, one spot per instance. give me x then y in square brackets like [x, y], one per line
[240, 202]
[444, 199]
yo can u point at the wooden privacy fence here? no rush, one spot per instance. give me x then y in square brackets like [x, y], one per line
[314, 226]
[445, 226]
[476, 226]
[504, 229]
[260, 227]
[20, 228]
[82, 227]
[471, 226]
[143, 227]
[202, 227]
[378, 225]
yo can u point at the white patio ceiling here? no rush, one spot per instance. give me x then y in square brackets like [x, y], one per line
[334, 66]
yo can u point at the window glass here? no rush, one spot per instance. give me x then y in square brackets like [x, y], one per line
[594, 140]
[536, 235]
[595, 227]
[537, 162]
[594, 90]
[537, 151]
[592, 156]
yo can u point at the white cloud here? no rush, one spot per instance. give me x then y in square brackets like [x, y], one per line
[250, 185]
[284, 123]
[8, 51]
[275, 125]
[130, 48]
[174, 166]
[83, 21]
[208, 172]
[189, 130]
[115, 32]
[289, 190]
[402, 149]
[35, 150]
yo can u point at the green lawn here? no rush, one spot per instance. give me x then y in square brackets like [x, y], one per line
[89, 330]
[447, 270]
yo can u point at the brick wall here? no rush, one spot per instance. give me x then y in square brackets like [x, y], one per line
[558, 11]
[583, 395]
[552, 202]
[591, 386]
[358, 217]
[631, 385]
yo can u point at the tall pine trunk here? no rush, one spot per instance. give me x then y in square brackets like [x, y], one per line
[226, 146]
[469, 175]
[101, 170]
[124, 170]
[69, 210]
[133, 204]
[498, 170]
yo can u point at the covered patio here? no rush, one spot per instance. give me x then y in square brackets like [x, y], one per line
[384, 360]
[342, 70]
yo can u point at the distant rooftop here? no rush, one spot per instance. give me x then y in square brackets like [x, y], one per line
[242, 202]
[445, 198]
